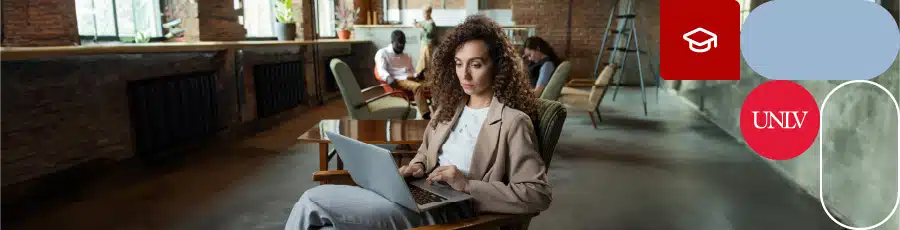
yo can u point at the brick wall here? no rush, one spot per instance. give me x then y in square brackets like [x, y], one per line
[76, 111]
[539, 13]
[39, 23]
[75, 117]
[499, 4]
[580, 43]
[269, 55]
[217, 21]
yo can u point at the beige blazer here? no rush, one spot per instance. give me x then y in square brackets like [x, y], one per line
[507, 174]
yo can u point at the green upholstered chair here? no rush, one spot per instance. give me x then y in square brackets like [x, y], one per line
[548, 126]
[557, 81]
[381, 107]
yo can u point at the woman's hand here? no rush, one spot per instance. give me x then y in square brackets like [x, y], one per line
[451, 175]
[414, 170]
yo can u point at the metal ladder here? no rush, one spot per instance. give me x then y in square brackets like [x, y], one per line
[625, 28]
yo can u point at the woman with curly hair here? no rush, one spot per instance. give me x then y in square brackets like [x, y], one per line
[481, 141]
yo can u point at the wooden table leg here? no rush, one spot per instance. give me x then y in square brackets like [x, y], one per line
[340, 163]
[323, 157]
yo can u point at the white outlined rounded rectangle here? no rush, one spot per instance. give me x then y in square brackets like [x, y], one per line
[822, 139]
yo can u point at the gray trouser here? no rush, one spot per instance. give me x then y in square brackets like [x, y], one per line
[351, 207]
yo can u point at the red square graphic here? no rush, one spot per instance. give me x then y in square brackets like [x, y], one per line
[700, 40]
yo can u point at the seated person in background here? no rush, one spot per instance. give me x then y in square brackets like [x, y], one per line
[395, 68]
[544, 61]
[481, 141]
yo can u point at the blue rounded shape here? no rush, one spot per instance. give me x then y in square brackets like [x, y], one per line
[820, 40]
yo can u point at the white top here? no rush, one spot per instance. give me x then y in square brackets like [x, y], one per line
[393, 66]
[460, 144]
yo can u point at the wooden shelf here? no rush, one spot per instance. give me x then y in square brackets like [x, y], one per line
[24, 53]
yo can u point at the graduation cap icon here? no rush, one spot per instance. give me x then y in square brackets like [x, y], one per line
[699, 40]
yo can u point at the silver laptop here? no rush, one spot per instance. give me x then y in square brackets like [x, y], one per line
[373, 168]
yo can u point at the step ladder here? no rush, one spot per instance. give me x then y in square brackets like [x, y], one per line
[625, 29]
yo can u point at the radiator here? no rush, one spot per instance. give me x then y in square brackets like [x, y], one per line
[279, 87]
[168, 112]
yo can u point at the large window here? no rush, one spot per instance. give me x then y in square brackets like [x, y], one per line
[325, 18]
[113, 20]
[118, 19]
[258, 18]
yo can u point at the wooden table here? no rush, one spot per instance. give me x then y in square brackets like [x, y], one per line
[400, 132]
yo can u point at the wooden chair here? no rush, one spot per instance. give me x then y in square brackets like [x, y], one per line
[381, 107]
[548, 126]
[589, 101]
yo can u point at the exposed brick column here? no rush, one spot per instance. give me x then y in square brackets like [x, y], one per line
[39, 23]
[217, 21]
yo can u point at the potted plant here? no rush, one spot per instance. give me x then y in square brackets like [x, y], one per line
[346, 17]
[286, 28]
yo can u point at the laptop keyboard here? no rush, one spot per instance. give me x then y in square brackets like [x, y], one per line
[423, 196]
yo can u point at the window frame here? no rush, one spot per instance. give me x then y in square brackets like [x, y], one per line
[318, 29]
[161, 5]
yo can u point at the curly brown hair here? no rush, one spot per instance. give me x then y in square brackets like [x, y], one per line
[511, 85]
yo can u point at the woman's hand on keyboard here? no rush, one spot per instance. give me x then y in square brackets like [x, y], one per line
[451, 175]
[414, 170]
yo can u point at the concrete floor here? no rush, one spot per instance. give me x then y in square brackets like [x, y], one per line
[669, 170]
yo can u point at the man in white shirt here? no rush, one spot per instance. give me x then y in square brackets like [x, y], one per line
[395, 68]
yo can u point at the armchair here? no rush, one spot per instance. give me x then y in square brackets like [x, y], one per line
[548, 126]
[408, 95]
[589, 101]
[557, 81]
[381, 107]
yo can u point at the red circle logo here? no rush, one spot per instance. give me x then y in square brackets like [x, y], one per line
[780, 120]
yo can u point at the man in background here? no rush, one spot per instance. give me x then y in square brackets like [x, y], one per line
[395, 68]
